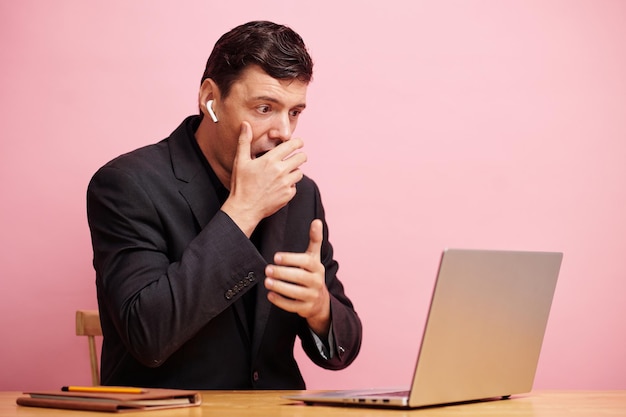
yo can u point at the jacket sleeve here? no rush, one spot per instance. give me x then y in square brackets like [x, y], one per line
[346, 325]
[157, 304]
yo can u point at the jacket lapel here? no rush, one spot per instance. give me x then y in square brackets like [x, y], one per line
[195, 184]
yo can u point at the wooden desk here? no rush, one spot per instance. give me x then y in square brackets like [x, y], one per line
[270, 404]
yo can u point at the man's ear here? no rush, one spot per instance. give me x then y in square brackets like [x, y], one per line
[208, 91]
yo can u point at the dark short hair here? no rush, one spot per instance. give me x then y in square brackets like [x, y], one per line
[277, 49]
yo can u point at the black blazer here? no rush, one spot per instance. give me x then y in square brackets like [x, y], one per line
[171, 269]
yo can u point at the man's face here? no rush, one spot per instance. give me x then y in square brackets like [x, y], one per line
[271, 106]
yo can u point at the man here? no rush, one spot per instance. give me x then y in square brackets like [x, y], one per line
[210, 247]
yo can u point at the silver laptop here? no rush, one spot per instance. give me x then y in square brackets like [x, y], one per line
[483, 335]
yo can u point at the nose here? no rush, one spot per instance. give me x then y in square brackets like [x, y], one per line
[281, 128]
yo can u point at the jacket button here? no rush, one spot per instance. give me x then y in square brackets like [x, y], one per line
[255, 376]
[229, 294]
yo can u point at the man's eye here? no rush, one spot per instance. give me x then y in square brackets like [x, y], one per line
[295, 113]
[264, 109]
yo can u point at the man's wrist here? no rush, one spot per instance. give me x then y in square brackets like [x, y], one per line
[325, 346]
[244, 221]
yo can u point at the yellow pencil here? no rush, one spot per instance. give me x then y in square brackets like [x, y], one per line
[105, 390]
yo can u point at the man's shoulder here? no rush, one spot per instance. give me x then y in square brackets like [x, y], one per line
[144, 165]
[306, 184]
[145, 155]
[307, 190]
[156, 156]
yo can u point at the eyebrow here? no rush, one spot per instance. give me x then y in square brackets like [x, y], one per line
[273, 100]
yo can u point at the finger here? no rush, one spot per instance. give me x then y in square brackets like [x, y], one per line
[294, 161]
[299, 260]
[315, 238]
[287, 289]
[286, 148]
[285, 303]
[295, 177]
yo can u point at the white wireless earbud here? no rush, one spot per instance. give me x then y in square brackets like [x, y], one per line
[209, 107]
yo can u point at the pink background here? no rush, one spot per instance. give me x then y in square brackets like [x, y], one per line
[480, 124]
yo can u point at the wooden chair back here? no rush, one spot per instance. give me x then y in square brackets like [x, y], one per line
[88, 324]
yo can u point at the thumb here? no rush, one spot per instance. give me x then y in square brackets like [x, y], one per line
[315, 238]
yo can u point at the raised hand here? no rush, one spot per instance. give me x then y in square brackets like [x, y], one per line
[261, 185]
[296, 283]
